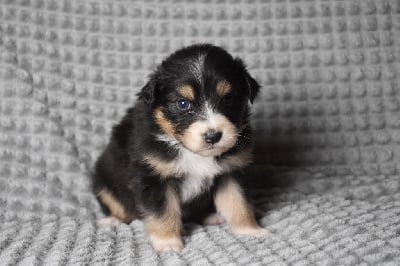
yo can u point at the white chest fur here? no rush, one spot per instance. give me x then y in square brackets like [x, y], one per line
[197, 172]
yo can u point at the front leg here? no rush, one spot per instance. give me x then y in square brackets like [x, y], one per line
[231, 203]
[164, 228]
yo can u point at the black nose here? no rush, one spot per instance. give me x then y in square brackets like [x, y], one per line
[212, 136]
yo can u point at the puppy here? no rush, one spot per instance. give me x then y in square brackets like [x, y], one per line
[174, 155]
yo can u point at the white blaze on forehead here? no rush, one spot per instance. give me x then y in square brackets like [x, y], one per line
[211, 116]
[197, 66]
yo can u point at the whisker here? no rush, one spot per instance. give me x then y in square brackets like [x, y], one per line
[244, 136]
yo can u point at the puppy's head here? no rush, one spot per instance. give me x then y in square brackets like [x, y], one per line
[199, 98]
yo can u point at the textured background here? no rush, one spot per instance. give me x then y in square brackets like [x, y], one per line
[327, 126]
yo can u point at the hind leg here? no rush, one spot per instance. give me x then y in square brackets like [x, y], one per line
[118, 214]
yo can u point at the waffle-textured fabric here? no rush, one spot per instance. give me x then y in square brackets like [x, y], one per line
[327, 126]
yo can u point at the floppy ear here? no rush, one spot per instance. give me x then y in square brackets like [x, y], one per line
[252, 86]
[149, 92]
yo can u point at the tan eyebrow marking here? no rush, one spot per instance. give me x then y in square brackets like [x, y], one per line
[223, 88]
[187, 92]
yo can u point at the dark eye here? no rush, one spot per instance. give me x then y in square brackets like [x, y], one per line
[183, 104]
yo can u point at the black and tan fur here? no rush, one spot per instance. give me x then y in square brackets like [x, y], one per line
[175, 154]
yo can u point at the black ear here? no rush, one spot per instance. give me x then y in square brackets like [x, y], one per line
[149, 92]
[252, 86]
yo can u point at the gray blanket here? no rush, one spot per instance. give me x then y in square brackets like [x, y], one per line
[327, 125]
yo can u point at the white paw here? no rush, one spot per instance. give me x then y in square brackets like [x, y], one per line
[161, 245]
[110, 220]
[251, 231]
[213, 219]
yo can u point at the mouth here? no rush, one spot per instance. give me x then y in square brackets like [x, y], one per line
[211, 150]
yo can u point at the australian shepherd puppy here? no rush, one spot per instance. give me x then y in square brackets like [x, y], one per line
[176, 153]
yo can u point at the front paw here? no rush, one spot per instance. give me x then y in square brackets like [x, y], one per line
[213, 219]
[255, 231]
[161, 245]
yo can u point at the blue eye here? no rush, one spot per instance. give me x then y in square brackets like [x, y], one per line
[184, 104]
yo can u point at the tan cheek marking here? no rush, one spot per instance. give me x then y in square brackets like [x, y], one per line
[223, 88]
[115, 207]
[224, 124]
[232, 205]
[160, 167]
[169, 224]
[229, 130]
[164, 124]
[187, 92]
